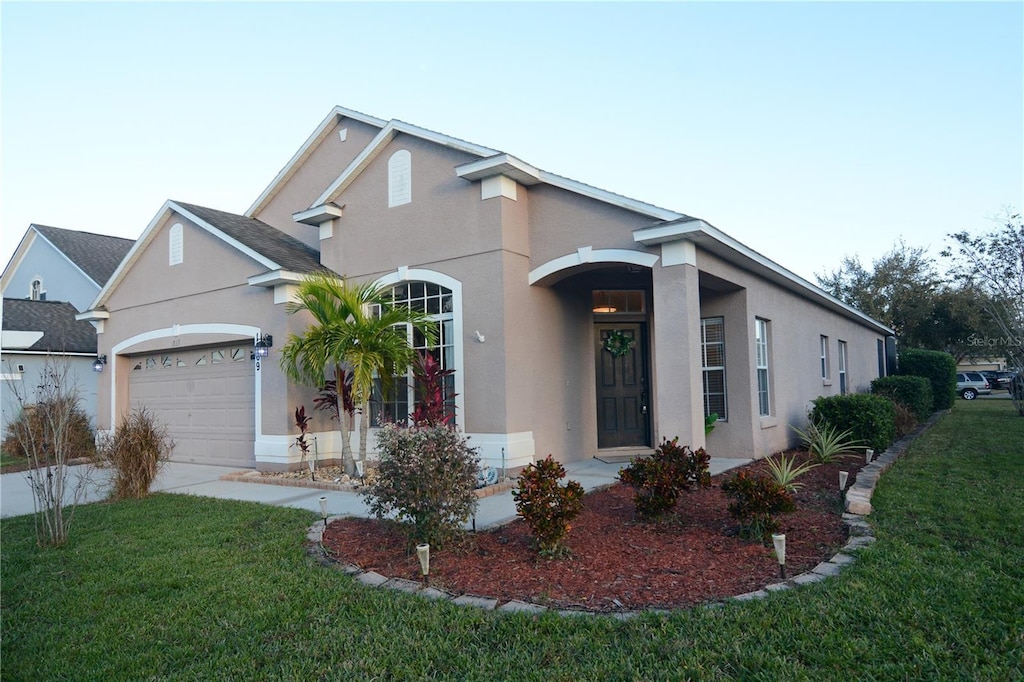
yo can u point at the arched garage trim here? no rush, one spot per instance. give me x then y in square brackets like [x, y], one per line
[241, 330]
[547, 273]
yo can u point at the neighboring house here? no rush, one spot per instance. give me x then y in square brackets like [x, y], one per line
[52, 264]
[579, 322]
[36, 333]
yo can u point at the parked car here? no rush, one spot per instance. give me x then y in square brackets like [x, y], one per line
[998, 380]
[969, 385]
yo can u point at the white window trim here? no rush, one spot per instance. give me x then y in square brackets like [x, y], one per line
[762, 360]
[844, 377]
[405, 274]
[826, 362]
[706, 368]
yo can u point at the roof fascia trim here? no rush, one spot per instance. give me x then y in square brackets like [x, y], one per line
[501, 164]
[607, 197]
[377, 144]
[231, 241]
[722, 245]
[313, 141]
[276, 277]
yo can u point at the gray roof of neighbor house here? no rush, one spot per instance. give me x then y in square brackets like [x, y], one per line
[287, 251]
[62, 333]
[98, 255]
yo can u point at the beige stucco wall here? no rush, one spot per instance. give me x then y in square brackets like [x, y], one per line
[795, 327]
[323, 165]
[208, 288]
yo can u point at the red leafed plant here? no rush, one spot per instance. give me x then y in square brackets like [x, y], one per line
[659, 479]
[757, 500]
[432, 397]
[547, 507]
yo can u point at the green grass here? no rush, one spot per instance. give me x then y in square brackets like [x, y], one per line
[9, 460]
[176, 587]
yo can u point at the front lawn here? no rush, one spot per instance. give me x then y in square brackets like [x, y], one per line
[177, 587]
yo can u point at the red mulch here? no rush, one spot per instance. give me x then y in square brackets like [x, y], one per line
[692, 556]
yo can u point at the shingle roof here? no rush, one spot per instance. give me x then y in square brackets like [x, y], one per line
[98, 255]
[62, 333]
[266, 240]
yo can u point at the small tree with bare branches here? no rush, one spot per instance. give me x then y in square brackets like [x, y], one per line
[48, 430]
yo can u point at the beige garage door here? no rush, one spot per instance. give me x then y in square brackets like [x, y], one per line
[205, 397]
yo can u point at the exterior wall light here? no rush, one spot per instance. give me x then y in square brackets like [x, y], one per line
[263, 344]
[97, 364]
[780, 552]
[423, 554]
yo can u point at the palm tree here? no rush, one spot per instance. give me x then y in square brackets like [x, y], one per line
[355, 330]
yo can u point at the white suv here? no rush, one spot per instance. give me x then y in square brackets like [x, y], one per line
[969, 385]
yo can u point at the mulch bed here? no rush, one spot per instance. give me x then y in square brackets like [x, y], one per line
[692, 556]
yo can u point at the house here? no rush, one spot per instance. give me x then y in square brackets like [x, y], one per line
[36, 333]
[55, 264]
[579, 322]
[54, 274]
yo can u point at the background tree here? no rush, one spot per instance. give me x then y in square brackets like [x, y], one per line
[992, 264]
[355, 331]
[904, 290]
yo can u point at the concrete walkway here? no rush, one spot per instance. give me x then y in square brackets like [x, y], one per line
[205, 480]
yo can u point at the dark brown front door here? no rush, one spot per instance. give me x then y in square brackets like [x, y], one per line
[622, 411]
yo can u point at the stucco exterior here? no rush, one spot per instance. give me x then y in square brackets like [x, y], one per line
[521, 253]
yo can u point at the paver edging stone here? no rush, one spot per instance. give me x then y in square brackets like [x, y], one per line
[861, 536]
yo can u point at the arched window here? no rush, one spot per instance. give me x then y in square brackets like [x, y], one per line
[36, 292]
[399, 178]
[176, 245]
[438, 303]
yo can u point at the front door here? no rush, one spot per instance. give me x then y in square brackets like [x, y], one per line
[621, 362]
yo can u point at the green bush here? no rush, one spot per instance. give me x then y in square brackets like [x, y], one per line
[938, 368]
[659, 479]
[757, 501]
[426, 477]
[30, 432]
[870, 419]
[136, 451]
[547, 507]
[912, 391]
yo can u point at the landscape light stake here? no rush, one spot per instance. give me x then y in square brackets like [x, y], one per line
[844, 476]
[868, 455]
[360, 470]
[323, 509]
[780, 551]
[423, 554]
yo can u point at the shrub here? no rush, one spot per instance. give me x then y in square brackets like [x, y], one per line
[659, 479]
[547, 507]
[825, 443]
[906, 421]
[870, 419]
[912, 391]
[785, 471]
[138, 448]
[426, 476]
[938, 368]
[31, 431]
[758, 499]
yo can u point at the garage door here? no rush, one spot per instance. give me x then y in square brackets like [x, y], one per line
[206, 399]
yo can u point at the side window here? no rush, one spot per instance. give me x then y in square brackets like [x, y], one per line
[712, 350]
[399, 178]
[176, 245]
[842, 368]
[761, 353]
[824, 358]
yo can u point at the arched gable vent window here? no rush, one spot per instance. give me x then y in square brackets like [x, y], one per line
[36, 292]
[399, 178]
[176, 245]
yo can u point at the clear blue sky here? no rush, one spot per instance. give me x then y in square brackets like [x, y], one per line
[808, 131]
